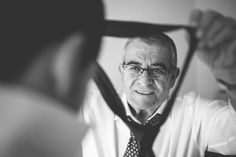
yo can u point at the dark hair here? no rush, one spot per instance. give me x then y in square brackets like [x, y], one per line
[158, 39]
[28, 26]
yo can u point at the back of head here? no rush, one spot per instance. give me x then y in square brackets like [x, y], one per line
[40, 127]
[29, 26]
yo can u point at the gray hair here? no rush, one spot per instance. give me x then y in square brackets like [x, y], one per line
[156, 39]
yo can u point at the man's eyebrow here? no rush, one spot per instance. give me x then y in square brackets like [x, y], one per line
[133, 62]
[160, 65]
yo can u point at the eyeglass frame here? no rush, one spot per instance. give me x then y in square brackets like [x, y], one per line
[149, 70]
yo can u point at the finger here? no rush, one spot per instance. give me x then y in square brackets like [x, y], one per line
[195, 18]
[225, 66]
[215, 29]
[205, 23]
[222, 37]
[227, 59]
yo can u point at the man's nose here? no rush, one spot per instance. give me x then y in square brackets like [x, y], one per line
[145, 79]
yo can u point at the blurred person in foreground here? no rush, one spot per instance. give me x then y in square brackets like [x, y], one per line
[47, 54]
[149, 69]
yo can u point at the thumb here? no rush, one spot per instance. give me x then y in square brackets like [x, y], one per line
[195, 18]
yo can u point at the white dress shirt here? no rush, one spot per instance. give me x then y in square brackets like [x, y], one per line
[195, 125]
[33, 124]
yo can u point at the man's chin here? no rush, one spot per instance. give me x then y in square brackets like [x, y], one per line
[145, 100]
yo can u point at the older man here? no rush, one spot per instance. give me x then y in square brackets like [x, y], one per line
[195, 125]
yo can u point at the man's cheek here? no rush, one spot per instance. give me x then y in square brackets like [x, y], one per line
[160, 84]
[162, 87]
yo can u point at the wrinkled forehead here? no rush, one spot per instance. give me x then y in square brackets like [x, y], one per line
[148, 54]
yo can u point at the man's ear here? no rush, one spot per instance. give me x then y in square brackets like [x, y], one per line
[174, 76]
[121, 69]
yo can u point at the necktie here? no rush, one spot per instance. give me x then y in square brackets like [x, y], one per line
[133, 147]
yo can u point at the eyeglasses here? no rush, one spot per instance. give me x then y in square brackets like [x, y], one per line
[136, 70]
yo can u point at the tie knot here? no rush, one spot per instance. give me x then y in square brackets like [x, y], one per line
[154, 120]
[151, 122]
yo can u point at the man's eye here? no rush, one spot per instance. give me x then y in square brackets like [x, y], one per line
[158, 71]
[135, 68]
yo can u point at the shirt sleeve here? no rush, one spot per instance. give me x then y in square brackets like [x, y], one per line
[222, 130]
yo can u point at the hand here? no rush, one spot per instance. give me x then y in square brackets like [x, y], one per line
[217, 43]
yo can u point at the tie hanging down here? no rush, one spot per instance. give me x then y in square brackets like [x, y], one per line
[145, 135]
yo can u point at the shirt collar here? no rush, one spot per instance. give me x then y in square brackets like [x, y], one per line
[129, 113]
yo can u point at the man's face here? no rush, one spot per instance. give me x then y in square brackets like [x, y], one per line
[146, 91]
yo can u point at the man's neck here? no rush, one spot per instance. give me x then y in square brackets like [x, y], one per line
[142, 115]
